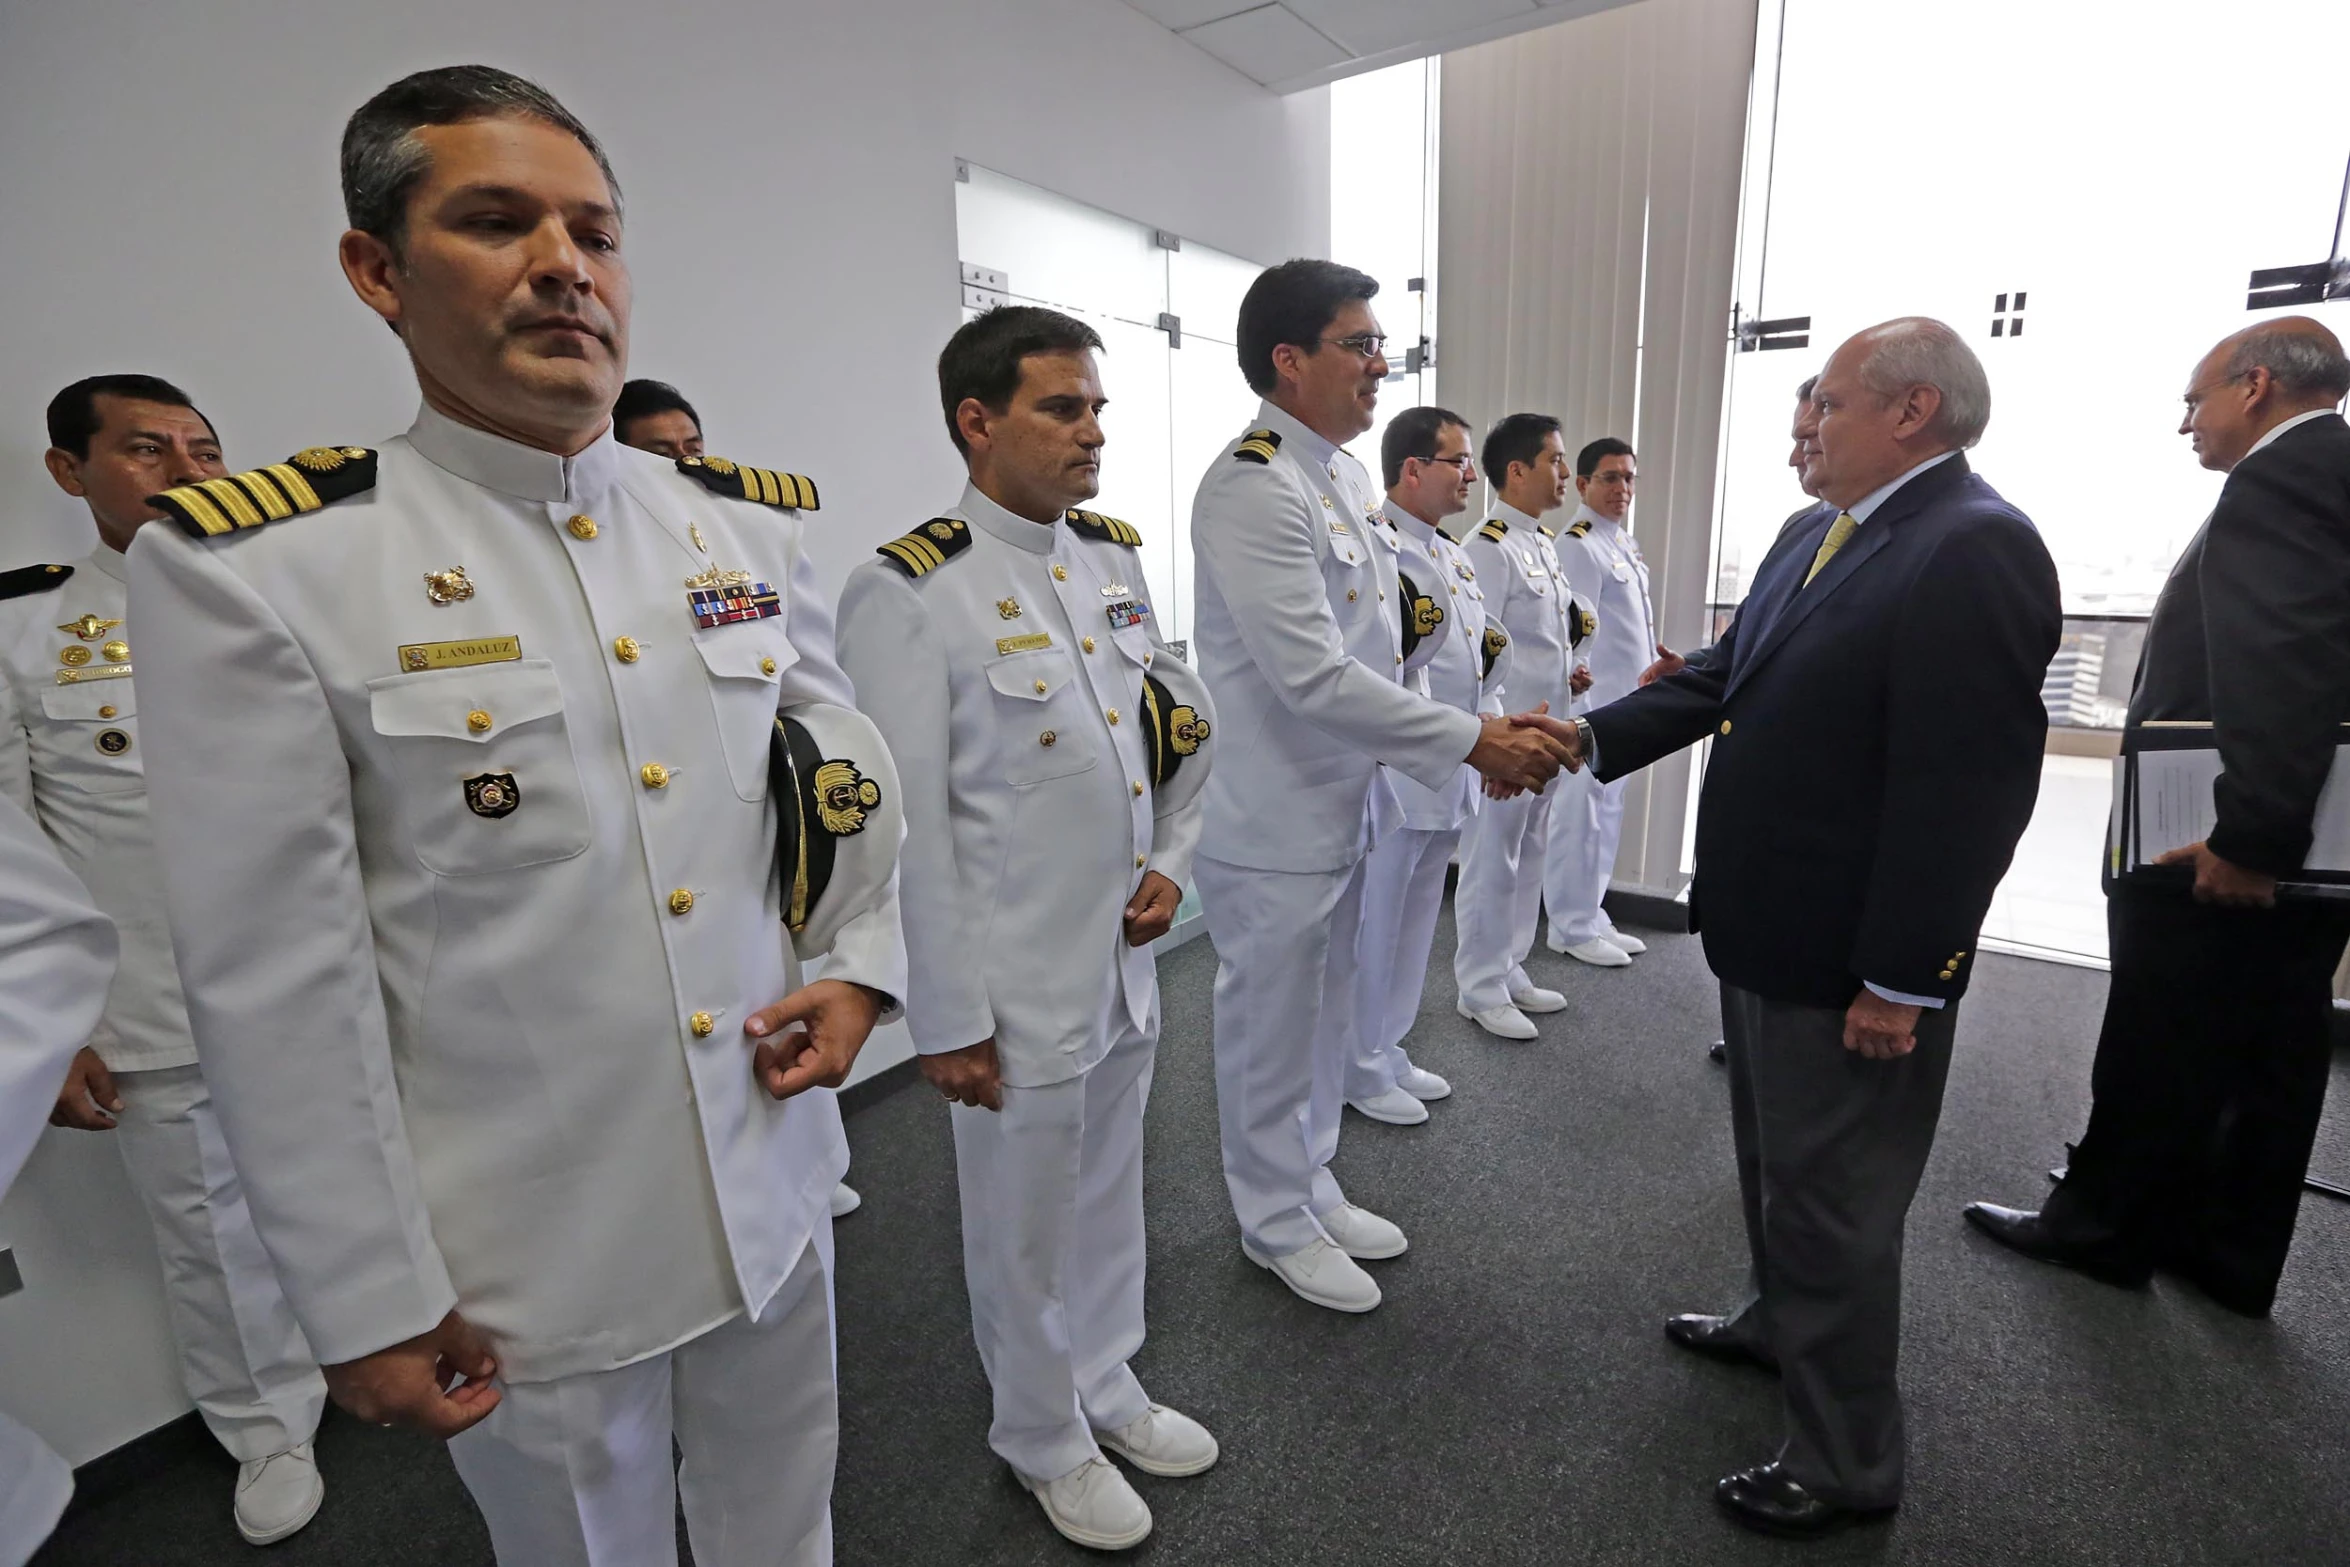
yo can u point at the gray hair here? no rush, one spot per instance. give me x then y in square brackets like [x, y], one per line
[1921, 351]
[2302, 363]
[383, 161]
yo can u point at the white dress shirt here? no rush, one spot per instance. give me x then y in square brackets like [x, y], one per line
[493, 1058]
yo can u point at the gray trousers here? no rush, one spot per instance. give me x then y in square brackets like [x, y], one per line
[1830, 1149]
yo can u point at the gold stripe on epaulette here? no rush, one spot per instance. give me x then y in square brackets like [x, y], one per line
[1257, 449]
[1496, 530]
[232, 500]
[297, 488]
[207, 515]
[265, 494]
[918, 553]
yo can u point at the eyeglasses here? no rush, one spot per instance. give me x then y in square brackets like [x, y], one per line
[1461, 462]
[1370, 345]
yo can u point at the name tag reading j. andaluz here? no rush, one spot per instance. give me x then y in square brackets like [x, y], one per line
[415, 656]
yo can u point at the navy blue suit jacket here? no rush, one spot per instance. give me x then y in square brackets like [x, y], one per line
[1878, 744]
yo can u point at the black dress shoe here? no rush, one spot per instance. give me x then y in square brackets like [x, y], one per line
[1765, 1499]
[2106, 1260]
[1715, 1336]
[1718, 1052]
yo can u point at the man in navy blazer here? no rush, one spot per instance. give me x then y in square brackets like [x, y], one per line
[1878, 735]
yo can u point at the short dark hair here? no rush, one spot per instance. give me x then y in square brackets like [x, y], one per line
[383, 161]
[982, 359]
[1515, 438]
[641, 399]
[1803, 392]
[1588, 459]
[1413, 433]
[1292, 303]
[73, 413]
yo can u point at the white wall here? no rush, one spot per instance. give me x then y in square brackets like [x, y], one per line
[168, 203]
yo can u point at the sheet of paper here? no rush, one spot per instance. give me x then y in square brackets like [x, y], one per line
[2175, 807]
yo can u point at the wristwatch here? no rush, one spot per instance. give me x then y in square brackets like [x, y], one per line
[1585, 745]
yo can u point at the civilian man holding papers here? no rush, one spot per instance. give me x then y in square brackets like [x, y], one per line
[2211, 1067]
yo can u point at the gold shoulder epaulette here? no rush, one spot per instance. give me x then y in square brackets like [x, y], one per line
[928, 547]
[1579, 527]
[310, 480]
[767, 486]
[1548, 533]
[1258, 446]
[1495, 531]
[32, 579]
[1109, 530]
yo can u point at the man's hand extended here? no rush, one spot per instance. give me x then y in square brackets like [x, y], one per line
[1150, 913]
[2223, 881]
[834, 1017]
[1510, 751]
[1879, 1029]
[88, 1102]
[414, 1383]
[1667, 662]
[969, 1076]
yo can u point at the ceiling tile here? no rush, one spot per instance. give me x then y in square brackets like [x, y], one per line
[1176, 15]
[1369, 26]
[1267, 44]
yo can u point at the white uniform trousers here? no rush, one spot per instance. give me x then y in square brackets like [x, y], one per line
[35, 1485]
[1285, 1005]
[577, 1471]
[243, 1358]
[1053, 1253]
[1498, 900]
[1586, 824]
[1403, 893]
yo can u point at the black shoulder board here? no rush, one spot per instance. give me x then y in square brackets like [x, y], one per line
[1494, 531]
[768, 486]
[1579, 527]
[1495, 640]
[313, 478]
[32, 579]
[1258, 446]
[1109, 530]
[928, 547]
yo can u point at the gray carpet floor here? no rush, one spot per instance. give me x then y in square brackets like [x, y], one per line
[1514, 1400]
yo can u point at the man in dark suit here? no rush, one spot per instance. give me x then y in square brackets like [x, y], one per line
[1876, 708]
[2211, 1067]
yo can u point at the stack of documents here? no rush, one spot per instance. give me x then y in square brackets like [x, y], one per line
[2162, 785]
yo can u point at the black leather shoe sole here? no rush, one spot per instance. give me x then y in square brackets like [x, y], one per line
[1811, 1526]
[2027, 1235]
[1715, 1345]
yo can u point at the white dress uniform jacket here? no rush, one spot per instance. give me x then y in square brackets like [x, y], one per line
[469, 857]
[56, 956]
[1527, 590]
[1008, 680]
[1299, 645]
[70, 755]
[1604, 566]
[1455, 674]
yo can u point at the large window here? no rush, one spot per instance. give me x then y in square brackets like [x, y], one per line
[1382, 220]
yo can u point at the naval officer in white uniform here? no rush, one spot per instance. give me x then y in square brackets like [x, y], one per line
[1497, 899]
[70, 754]
[459, 754]
[1298, 638]
[1424, 457]
[1052, 749]
[56, 954]
[1604, 564]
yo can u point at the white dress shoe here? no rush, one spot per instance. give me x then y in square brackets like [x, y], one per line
[1322, 1274]
[845, 1200]
[1630, 945]
[1093, 1506]
[1505, 1021]
[1599, 952]
[279, 1494]
[1164, 1442]
[1533, 998]
[1421, 1083]
[1395, 1107]
[1362, 1234]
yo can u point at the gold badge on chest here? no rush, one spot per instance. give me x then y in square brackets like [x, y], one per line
[1009, 609]
[449, 586]
[89, 628]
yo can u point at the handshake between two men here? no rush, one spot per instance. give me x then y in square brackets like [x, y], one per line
[1523, 751]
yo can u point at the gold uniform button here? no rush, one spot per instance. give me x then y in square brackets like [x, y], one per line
[106, 712]
[1087, 644]
[1042, 688]
[655, 776]
[582, 527]
[626, 649]
[681, 902]
[1113, 715]
[1725, 726]
[478, 721]
[1382, 595]
[703, 1025]
[767, 666]
[1138, 788]
[1950, 973]
[1352, 595]
[1047, 738]
[1139, 862]
[1060, 573]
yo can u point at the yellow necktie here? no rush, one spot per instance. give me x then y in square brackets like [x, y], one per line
[1838, 532]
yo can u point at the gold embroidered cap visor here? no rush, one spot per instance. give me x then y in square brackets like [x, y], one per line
[839, 824]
